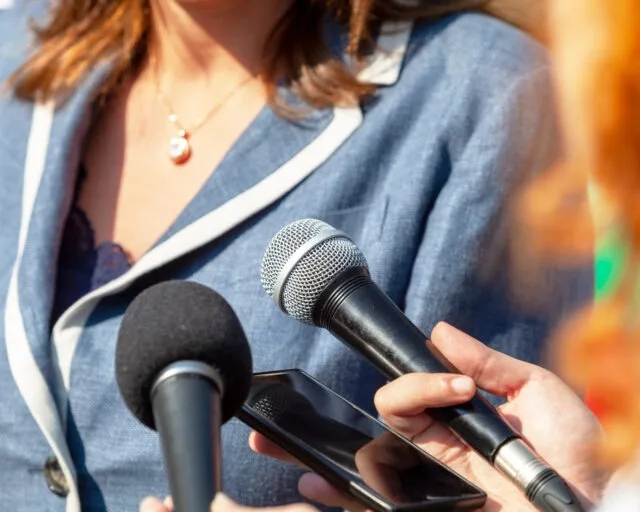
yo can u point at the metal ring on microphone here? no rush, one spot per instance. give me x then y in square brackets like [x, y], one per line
[189, 368]
[293, 260]
[519, 463]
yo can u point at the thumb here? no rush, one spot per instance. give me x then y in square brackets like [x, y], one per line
[222, 503]
[491, 370]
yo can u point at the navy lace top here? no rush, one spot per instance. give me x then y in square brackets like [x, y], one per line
[83, 266]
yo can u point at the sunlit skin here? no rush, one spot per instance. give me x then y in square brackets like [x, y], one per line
[203, 50]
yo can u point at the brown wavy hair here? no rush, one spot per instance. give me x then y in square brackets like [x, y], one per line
[81, 34]
[596, 50]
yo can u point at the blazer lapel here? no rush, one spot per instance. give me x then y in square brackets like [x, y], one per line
[49, 169]
[24, 341]
[60, 161]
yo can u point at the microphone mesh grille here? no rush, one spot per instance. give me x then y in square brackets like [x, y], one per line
[283, 245]
[312, 274]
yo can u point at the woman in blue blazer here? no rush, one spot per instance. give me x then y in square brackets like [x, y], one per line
[151, 140]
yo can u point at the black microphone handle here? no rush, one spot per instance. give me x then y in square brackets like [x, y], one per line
[187, 414]
[355, 310]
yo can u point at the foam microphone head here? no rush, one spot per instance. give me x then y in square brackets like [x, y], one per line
[302, 260]
[180, 321]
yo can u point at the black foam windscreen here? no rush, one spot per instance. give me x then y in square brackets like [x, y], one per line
[180, 321]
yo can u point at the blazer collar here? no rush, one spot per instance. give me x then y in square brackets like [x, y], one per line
[383, 67]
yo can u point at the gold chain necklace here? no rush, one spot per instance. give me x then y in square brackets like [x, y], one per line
[179, 145]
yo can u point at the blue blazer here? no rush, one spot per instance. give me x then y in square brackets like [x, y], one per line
[419, 177]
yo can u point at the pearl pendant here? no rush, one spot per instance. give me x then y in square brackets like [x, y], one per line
[179, 148]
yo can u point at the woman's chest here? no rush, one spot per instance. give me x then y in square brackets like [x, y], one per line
[133, 189]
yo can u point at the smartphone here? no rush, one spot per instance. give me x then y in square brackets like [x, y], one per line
[351, 449]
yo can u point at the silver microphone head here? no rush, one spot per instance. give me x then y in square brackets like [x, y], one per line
[301, 260]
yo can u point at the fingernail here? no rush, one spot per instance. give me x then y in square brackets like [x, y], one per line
[148, 504]
[222, 503]
[462, 385]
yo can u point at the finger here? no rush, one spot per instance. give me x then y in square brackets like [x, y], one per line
[411, 394]
[403, 401]
[491, 370]
[398, 407]
[223, 503]
[168, 503]
[316, 488]
[260, 444]
[151, 504]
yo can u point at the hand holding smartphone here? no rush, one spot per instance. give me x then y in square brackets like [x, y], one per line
[352, 450]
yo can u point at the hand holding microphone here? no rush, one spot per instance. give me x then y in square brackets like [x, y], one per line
[316, 274]
[555, 421]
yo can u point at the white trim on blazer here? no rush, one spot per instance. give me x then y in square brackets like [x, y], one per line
[25, 371]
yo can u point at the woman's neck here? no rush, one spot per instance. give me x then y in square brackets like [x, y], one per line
[197, 40]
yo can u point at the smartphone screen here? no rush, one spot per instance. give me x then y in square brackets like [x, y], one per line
[362, 448]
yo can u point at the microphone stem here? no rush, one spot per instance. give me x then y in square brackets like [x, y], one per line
[187, 411]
